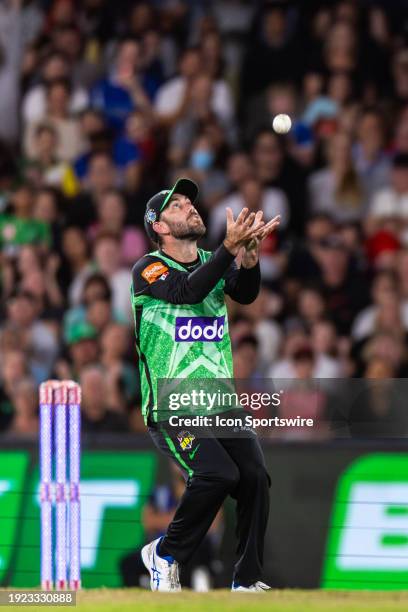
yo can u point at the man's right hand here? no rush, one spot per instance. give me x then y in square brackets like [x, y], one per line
[241, 230]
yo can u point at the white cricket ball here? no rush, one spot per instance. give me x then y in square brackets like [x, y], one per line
[282, 124]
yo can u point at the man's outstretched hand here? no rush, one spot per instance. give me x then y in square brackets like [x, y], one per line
[262, 230]
[245, 228]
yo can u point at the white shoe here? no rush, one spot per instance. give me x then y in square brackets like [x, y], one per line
[257, 587]
[164, 575]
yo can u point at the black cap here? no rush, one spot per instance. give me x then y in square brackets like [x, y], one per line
[158, 202]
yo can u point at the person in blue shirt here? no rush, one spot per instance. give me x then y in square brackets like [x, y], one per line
[124, 153]
[126, 88]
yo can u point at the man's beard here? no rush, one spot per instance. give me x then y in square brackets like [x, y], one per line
[188, 230]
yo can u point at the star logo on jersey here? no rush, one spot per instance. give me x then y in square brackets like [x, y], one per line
[185, 439]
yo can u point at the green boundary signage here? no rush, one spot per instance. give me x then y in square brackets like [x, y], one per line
[114, 489]
[367, 545]
[353, 535]
[13, 471]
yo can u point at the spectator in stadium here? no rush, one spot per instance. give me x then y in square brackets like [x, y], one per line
[36, 274]
[95, 287]
[402, 275]
[34, 104]
[99, 313]
[11, 53]
[344, 288]
[259, 319]
[388, 346]
[303, 259]
[336, 189]
[139, 131]
[239, 167]
[388, 319]
[400, 75]
[203, 170]
[123, 152]
[121, 374]
[341, 51]
[274, 168]
[324, 343]
[107, 258]
[379, 410]
[57, 114]
[179, 94]
[18, 225]
[13, 368]
[251, 194]
[311, 306]
[194, 120]
[25, 415]
[304, 398]
[48, 204]
[38, 341]
[76, 264]
[111, 218]
[101, 176]
[384, 285]
[80, 349]
[277, 98]
[391, 202]
[96, 414]
[274, 54]
[371, 162]
[44, 167]
[126, 87]
[246, 358]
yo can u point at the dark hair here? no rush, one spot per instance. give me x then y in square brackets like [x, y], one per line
[90, 110]
[97, 277]
[59, 82]
[53, 54]
[247, 339]
[190, 49]
[67, 27]
[22, 294]
[55, 193]
[303, 353]
[127, 38]
[94, 154]
[45, 127]
[269, 131]
[106, 235]
[400, 160]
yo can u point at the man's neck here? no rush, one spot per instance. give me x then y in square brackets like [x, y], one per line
[183, 251]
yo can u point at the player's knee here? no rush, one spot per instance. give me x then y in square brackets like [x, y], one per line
[231, 477]
[256, 476]
[228, 477]
[225, 477]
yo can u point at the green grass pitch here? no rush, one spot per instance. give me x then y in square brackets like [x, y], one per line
[122, 600]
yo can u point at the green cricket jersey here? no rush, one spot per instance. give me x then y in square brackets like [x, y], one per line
[178, 337]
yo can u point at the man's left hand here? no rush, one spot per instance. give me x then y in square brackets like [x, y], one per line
[251, 252]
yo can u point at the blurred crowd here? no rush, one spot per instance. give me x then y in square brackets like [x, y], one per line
[105, 103]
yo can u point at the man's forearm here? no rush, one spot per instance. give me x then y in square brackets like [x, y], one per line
[244, 288]
[204, 279]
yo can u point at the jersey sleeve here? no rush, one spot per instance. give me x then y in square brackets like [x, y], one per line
[152, 276]
[242, 284]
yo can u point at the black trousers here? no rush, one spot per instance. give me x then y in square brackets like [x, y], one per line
[216, 467]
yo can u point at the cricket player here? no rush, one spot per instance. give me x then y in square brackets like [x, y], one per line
[181, 326]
